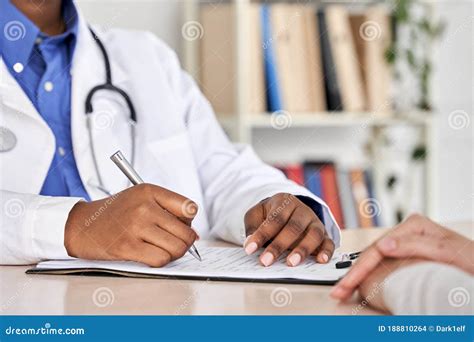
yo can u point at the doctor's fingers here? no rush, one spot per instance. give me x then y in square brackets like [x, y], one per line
[268, 228]
[174, 226]
[312, 239]
[164, 240]
[178, 205]
[149, 254]
[291, 232]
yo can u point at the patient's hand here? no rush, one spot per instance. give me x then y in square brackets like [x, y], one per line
[417, 237]
[372, 287]
[290, 225]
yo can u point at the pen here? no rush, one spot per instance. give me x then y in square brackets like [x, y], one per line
[128, 170]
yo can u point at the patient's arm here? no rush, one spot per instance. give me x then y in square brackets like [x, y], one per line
[407, 287]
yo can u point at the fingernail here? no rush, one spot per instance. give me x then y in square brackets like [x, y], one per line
[247, 240]
[251, 248]
[295, 259]
[267, 259]
[387, 244]
[325, 257]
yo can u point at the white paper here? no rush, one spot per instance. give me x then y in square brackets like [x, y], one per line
[221, 262]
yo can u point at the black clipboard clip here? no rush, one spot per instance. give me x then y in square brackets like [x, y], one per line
[346, 260]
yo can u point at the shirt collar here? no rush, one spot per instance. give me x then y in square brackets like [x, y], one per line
[20, 33]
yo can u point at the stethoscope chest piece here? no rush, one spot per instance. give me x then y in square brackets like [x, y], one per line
[7, 140]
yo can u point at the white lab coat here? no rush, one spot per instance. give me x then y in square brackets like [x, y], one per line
[180, 146]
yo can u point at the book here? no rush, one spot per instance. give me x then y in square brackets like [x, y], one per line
[331, 192]
[375, 205]
[372, 34]
[362, 201]
[282, 21]
[312, 178]
[218, 58]
[346, 198]
[295, 173]
[272, 80]
[344, 55]
[331, 86]
[218, 263]
[312, 45]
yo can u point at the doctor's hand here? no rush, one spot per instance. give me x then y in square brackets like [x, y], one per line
[145, 223]
[287, 224]
[415, 238]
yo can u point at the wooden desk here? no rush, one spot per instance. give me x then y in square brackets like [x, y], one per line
[77, 295]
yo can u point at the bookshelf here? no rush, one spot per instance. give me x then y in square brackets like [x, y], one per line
[243, 126]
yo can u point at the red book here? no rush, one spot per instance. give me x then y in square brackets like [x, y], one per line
[331, 192]
[295, 173]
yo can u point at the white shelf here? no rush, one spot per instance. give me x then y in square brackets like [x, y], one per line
[325, 119]
[243, 126]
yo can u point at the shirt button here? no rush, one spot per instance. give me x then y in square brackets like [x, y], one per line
[38, 40]
[61, 151]
[48, 86]
[18, 67]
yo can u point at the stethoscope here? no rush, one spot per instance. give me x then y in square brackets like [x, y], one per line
[8, 139]
[108, 85]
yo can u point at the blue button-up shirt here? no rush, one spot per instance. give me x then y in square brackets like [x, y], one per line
[41, 65]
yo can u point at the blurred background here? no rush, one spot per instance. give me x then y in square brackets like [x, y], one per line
[367, 103]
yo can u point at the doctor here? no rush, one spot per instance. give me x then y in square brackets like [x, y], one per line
[61, 195]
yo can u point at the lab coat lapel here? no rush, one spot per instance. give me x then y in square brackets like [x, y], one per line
[88, 71]
[14, 97]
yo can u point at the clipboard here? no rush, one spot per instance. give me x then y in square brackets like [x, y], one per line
[219, 264]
